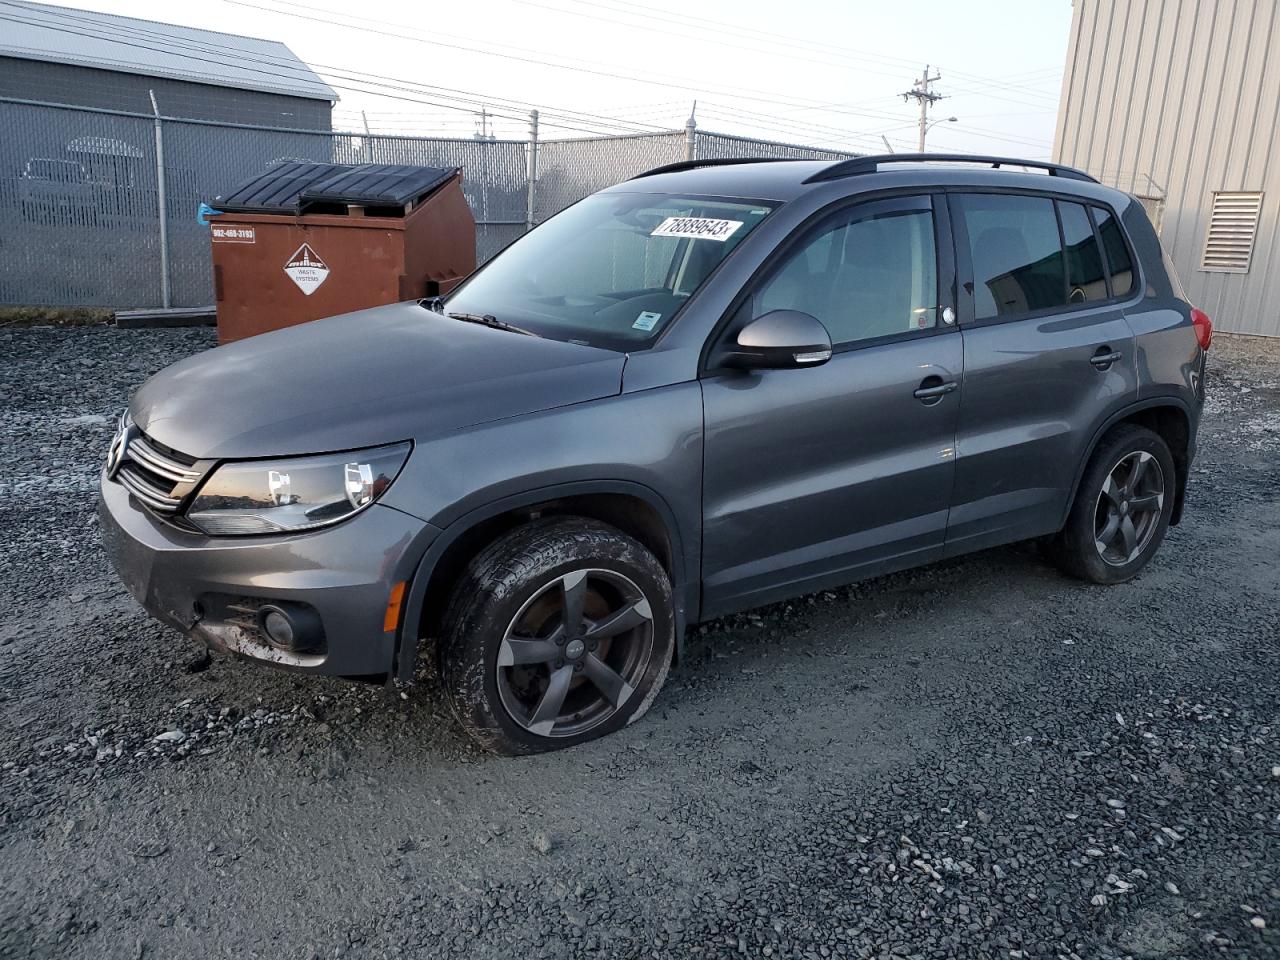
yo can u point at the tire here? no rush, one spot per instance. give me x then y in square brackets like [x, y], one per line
[505, 647]
[1077, 550]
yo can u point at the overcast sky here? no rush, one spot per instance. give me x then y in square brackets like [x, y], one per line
[811, 71]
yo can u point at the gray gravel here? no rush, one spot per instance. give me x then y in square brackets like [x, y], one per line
[977, 759]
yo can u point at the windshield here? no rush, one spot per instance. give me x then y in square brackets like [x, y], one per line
[611, 271]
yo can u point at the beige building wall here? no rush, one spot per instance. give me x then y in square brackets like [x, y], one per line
[1174, 100]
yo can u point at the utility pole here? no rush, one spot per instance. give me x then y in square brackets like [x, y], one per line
[691, 134]
[922, 93]
[531, 209]
[483, 132]
[162, 206]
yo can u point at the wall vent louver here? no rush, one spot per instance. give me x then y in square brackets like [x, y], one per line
[1233, 227]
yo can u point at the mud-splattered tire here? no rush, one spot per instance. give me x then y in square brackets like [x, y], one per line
[559, 632]
[1122, 508]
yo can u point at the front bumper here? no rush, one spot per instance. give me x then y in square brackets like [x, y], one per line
[208, 588]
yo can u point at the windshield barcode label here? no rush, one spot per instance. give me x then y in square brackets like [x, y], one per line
[697, 228]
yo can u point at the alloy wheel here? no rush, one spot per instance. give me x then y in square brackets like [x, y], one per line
[1129, 508]
[575, 652]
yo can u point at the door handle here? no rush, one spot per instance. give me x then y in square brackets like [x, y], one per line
[935, 391]
[1104, 358]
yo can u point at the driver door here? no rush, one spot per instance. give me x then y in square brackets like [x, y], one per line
[824, 475]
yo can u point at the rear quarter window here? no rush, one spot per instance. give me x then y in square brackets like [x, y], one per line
[1121, 264]
[1086, 271]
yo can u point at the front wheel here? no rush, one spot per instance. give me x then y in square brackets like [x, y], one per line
[1121, 510]
[559, 632]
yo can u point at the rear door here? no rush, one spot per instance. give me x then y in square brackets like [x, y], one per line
[825, 474]
[1048, 356]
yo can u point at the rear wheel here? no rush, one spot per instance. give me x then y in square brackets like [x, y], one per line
[1122, 508]
[559, 632]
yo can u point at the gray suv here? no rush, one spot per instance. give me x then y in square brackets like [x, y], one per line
[714, 386]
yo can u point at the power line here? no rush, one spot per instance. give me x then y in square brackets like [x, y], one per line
[773, 41]
[791, 127]
[578, 122]
[996, 135]
[682, 84]
[461, 101]
[773, 46]
[675, 83]
[717, 28]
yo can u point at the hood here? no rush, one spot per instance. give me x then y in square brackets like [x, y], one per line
[378, 376]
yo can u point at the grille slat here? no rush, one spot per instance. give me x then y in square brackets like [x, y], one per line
[156, 499]
[145, 455]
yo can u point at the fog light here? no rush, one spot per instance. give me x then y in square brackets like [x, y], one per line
[292, 627]
[276, 625]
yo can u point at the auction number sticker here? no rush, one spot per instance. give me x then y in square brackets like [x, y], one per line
[697, 228]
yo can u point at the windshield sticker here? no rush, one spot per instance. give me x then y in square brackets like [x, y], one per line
[697, 228]
[646, 321]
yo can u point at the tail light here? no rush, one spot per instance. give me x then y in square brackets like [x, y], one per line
[1203, 327]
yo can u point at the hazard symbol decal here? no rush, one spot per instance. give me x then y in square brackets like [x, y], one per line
[307, 270]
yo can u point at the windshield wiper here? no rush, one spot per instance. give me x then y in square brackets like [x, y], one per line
[489, 320]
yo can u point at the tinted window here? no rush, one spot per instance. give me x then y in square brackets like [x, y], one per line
[1117, 252]
[1086, 275]
[867, 276]
[1016, 254]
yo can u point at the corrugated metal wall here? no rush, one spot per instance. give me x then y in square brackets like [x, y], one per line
[1177, 99]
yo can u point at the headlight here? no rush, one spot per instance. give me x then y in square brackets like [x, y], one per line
[280, 496]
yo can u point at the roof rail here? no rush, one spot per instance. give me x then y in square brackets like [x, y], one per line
[720, 162]
[860, 165]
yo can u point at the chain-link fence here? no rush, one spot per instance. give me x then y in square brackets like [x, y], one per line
[715, 145]
[80, 217]
[569, 170]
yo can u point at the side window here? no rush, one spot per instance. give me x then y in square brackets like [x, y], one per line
[1086, 274]
[864, 275]
[1016, 253]
[1117, 252]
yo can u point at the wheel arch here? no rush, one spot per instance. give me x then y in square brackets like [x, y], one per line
[1167, 416]
[635, 509]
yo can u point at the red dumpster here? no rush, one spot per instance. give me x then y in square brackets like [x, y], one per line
[308, 240]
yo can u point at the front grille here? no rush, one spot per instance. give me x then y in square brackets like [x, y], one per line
[159, 477]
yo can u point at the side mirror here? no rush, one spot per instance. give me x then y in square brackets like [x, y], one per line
[781, 340]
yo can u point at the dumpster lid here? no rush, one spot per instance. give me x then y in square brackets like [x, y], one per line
[294, 186]
[379, 184]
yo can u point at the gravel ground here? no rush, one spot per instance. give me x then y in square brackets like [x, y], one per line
[976, 759]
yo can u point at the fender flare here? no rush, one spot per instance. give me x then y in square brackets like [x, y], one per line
[407, 643]
[1123, 414]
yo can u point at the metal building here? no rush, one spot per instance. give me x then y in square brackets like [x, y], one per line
[67, 56]
[1178, 102]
